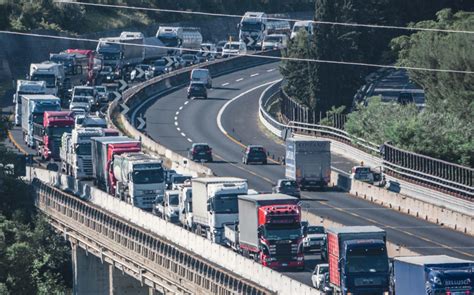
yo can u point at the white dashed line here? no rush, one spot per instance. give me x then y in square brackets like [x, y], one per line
[225, 84]
[177, 113]
[177, 128]
[270, 70]
[186, 102]
[184, 135]
[238, 80]
[189, 140]
[253, 75]
[176, 123]
[180, 108]
[176, 118]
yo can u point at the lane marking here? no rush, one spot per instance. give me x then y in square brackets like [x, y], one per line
[184, 135]
[176, 118]
[179, 129]
[189, 139]
[177, 113]
[238, 80]
[253, 75]
[270, 70]
[186, 102]
[16, 144]
[180, 108]
[176, 123]
[225, 84]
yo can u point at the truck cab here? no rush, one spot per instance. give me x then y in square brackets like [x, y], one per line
[55, 124]
[253, 28]
[50, 72]
[111, 51]
[26, 87]
[83, 97]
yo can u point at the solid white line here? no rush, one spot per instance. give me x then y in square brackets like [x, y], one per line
[184, 135]
[253, 75]
[225, 84]
[180, 108]
[238, 80]
[177, 128]
[270, 70]
[177, 113]
[221, 111]
[186, 102]
[189, 140]
[176, 123]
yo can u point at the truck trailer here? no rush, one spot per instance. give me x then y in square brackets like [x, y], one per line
[358, 260]
[103, 151]
[215, 204]
[435, 274]
[268, 231]
[33, 107]
[26, 87]
[139, 179]
[308, 162]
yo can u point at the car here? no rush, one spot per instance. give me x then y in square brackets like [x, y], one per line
[362, 173]
[200, 152]
[107, 74]
[254, 154]
[197, 90]
[102, 93]
[189, 59]
[288, 187]
[179, 62]
[314, 237]
[234, 48]
[275, 41]
[159, 67]
[177, 180]
[203, 76]
[317, 276]
[219, 46]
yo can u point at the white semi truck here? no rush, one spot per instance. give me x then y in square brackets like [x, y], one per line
[75, 153]
[50, 72]
[139, 179]
[253, 28]
[215, 204]
[26, 87]
[179, 39]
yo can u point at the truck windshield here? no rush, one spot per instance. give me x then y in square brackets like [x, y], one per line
[148, 176]
[49, 79]
[80, 99]
[57, 132]
[363, 260]
[174, 200]
[169, 41]
[226, 204]
[282, 232]
[83, 149]
[111, 56]
[251, 26]
[83, 92]
[38, 118]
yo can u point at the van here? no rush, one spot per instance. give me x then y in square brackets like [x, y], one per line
[302, 25]
[203, 76]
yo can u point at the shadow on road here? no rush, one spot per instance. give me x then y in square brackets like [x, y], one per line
[225, 88]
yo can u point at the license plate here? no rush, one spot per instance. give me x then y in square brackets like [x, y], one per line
[202, 153]
[284, 264]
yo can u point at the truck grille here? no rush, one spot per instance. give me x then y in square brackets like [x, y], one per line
[87, 166]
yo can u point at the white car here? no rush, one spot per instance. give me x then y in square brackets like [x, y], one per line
[203, 76]
[318, 274]
[314, 236]
[275, 41]
[234, 48]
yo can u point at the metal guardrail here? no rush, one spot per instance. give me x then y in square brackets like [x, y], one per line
[421, 170]
[158, 261]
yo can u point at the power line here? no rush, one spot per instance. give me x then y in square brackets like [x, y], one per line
[269, 18]
[251, 55]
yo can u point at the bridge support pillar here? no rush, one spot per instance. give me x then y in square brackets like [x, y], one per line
[91, 276]
[123, 284]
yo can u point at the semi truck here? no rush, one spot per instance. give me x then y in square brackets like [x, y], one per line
[154, 49]
[139, 179]
[180, 39]
[253, 29]
[48, 134]
[103, 151]
[358, 260]
[26, 87]
[268, 231]
[435, 274]
[50, 72]
[308, 162]
[185, 213]
[33, 107]
[215, 204]
[125, 50]
[76, 154]
[94, 62]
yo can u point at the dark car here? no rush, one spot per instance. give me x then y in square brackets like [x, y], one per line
[200, 151]
[107, 74]
[254, 154]
[288, 187]
[197, 89]
[159, 67]
[189, 59]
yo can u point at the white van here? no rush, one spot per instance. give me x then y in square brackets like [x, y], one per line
[234, 48]
[203, 76]
[302, 25]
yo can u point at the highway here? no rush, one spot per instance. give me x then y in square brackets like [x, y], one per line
[176, 122]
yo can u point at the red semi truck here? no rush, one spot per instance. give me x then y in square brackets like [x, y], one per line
[48, 135]
[269, 230]
[103, 151]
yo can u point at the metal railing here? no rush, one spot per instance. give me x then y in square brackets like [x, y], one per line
[443, 176]
[162, 262]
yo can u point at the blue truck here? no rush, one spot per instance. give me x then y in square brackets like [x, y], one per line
[431, 275]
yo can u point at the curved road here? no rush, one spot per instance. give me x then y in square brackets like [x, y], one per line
[176, 122]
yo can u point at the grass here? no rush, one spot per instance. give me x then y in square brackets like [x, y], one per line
[98, 21]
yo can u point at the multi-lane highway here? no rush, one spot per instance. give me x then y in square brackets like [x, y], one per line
[176, 122]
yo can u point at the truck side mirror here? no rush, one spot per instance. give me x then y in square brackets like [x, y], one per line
[209, 207]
